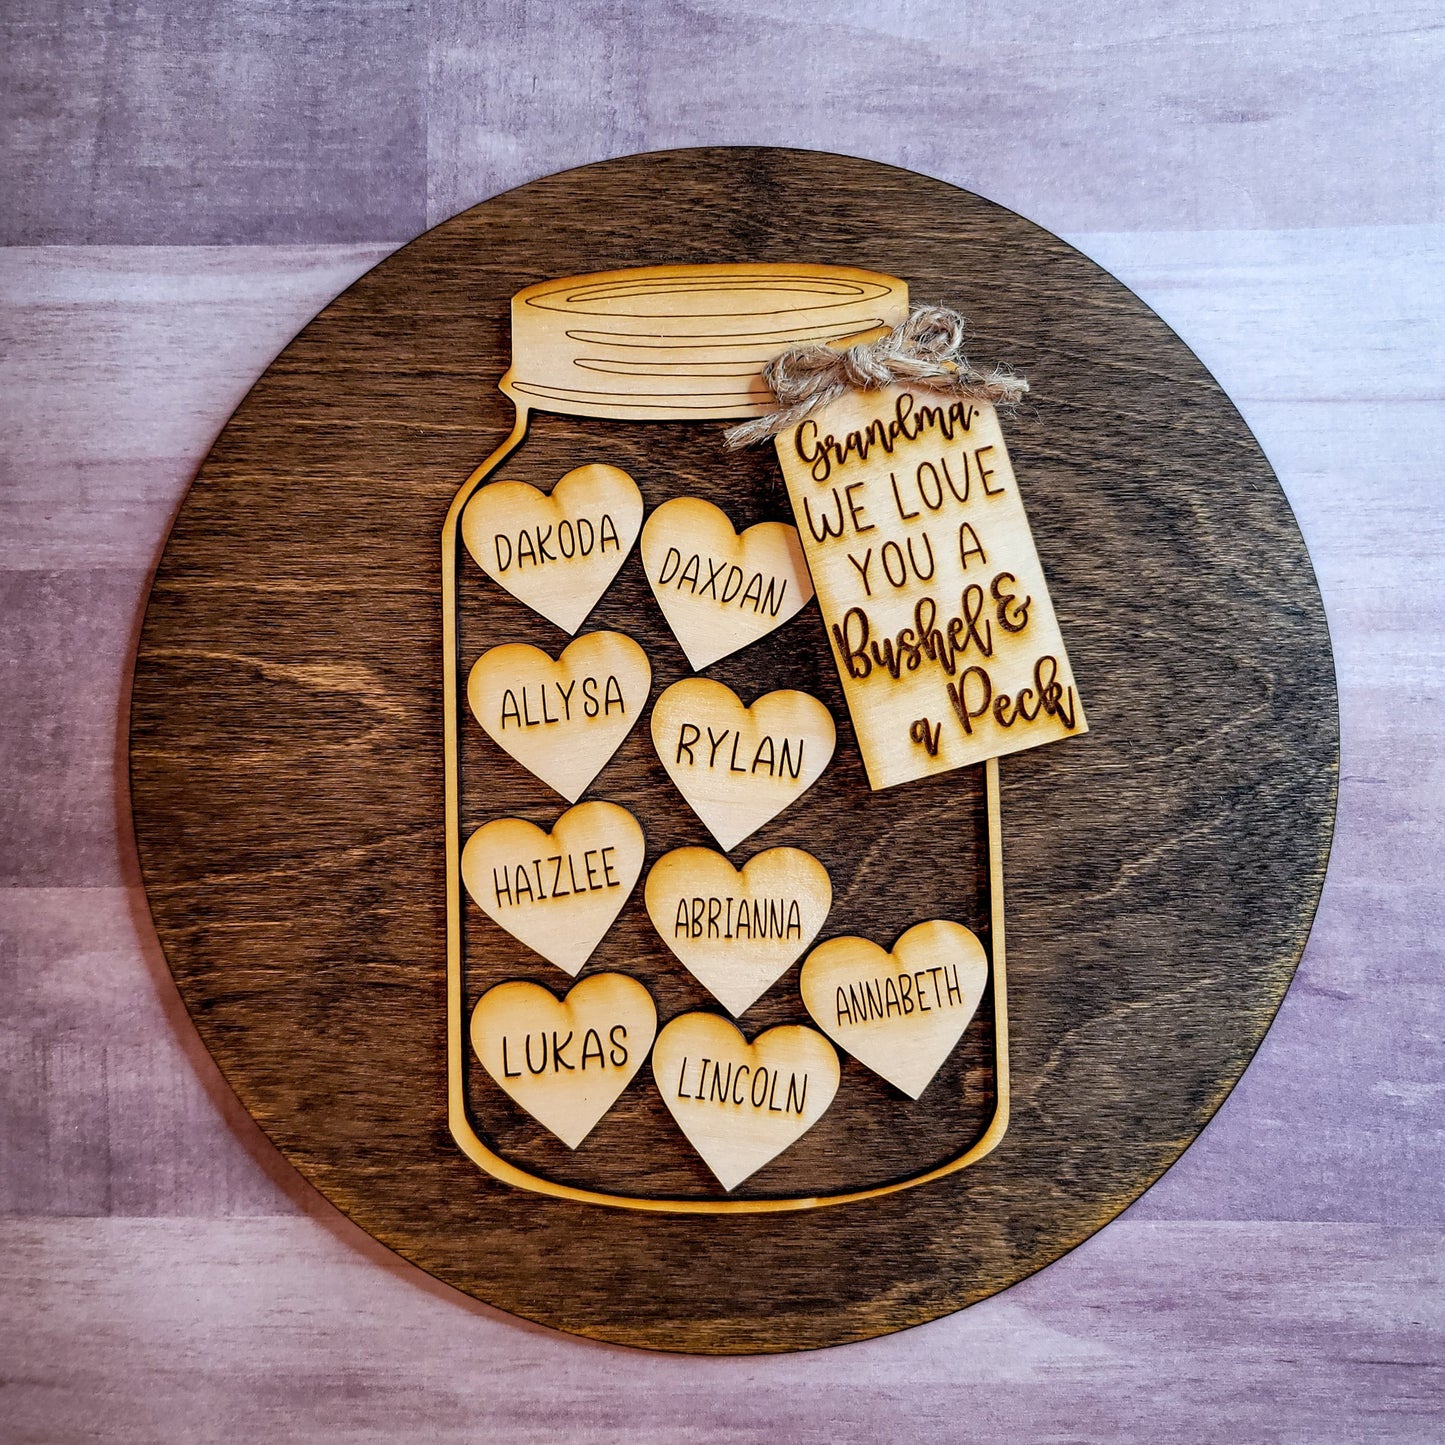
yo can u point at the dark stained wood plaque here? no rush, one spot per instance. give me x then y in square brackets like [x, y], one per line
[1161, 871]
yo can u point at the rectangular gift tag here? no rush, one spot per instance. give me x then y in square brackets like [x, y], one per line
[930, 586]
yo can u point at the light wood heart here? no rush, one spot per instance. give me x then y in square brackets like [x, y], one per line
[721, 590]
[738, 931]
[565, 1062]
[561, 720]
[740, 766]
[557, 892]
[557, 553]
[739, 1103]
[899, 1013]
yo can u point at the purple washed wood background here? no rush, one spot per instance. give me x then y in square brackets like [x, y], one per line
[185, 185]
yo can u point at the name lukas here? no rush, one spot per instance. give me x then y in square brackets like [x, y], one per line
[549, 1054]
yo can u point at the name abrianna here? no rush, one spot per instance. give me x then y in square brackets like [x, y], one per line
[909, 421]
[751, 919]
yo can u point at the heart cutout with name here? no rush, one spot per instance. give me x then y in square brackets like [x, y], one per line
[719, 589]
[557, 892]
[738, 766]
[557, 553]
[565, 1061]
[739, 1103]
[899, 1013]
[738, 931]
[561, 720]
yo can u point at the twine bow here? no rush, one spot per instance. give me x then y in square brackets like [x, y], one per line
[925, 349]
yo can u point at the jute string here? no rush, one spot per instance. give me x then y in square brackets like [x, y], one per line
[924, 350]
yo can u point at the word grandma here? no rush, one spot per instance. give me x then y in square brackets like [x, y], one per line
[734, 1085]
[773, 758]
[553, 703]
[555, 877]
[550, 1053]
[723, 583]
[537, 545]
[909, 421]
[753, 919]
[899, 996]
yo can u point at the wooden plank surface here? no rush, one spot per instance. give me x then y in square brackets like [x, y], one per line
[292, 1330]
[1315, 1314]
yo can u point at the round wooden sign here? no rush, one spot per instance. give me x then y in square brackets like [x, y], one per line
[303, 767]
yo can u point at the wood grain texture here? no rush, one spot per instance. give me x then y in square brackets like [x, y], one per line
[1162, 873]
[120, 364]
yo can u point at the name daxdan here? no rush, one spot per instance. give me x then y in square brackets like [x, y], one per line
[724, 582]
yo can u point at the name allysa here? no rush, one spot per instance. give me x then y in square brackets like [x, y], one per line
[551, 702]
[724, 582]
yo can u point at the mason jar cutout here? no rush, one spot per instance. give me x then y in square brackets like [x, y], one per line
[617, 370]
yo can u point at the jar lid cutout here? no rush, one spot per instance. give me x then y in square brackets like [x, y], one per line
[684, 343]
